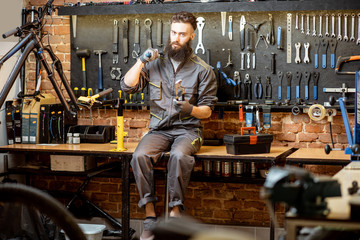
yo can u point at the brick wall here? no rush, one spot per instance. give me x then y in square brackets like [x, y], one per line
[222, 203]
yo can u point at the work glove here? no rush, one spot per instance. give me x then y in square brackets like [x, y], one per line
[149, 55]
[184, 108]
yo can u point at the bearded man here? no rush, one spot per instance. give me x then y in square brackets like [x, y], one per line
[182, 92]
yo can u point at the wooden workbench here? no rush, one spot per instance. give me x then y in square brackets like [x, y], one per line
[217, 153]
[317, 156]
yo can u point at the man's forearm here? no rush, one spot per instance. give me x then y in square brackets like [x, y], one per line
[133, 75]
[201, 112]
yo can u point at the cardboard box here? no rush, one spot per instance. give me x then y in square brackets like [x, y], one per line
[71, 163]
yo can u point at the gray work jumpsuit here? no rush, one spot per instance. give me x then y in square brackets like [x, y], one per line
[167, 131]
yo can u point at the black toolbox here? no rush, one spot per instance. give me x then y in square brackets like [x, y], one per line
[247, 144]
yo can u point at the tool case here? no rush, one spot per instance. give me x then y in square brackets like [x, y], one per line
[247, 144]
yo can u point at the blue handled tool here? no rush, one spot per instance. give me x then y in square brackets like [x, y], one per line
[316, 58]
[280, 76]
[316, 82]
[279, 45]
[332, 45]
[307, 76]
[288, 81]
[258, 89]
[324, 46]
[298, 76]
[100, 72]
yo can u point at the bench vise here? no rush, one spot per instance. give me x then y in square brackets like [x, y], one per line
[300, 190]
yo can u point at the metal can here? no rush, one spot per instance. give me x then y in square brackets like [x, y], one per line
[238, 168]
[217, 168]
[253, 169]
[207, 167]
[226, 169]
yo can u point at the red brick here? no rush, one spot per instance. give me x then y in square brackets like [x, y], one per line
[324, 138]
[314, 128]
[247, 195]
[254, 204]
[292, 128]
[214, 125]
[110, 207]
[307, 137]
[301, 118]
[276, 126]
[211, 203]
[99, 196]
[227, 215]
[291, 137]
[243, 215]
[109, 187]
[138, 123]
[236, 204]
[341, 138]
[223, 193]
[203, 193]
[201, 212]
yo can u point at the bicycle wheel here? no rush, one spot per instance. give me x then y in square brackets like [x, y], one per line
[10, 192]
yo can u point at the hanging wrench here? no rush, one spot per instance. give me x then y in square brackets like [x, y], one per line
[248, 66]
[352, 38]
[148, 23]
[297, 58]
[306, 58]
[200, 25]
[297, 21]
[307, 24]
[320, 26]
[333, 26]
[346, 38]
[314, 26]
[302, 24]
[327, 25]
[358, 40]
[339, 38]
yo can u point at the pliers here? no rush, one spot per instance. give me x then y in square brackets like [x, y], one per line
[237, 88]
[268, 88]
[258, 89]
[247, 87]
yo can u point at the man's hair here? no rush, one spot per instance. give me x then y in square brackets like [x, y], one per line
[184, 17]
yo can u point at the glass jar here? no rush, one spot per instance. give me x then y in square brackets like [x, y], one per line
[76, 138]
[69, 138]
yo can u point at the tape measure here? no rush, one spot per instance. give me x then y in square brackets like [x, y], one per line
[317, 112]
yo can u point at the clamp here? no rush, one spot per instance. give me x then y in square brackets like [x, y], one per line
[115, 73]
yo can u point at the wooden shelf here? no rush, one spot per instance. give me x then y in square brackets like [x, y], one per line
[172, 7]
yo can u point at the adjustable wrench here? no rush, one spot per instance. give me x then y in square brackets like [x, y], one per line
[358, 40]
[339, 28]
[346, 38]
[327, 25]
[297, 58]
[200, 25]
[306, 58]
[333, 35]
[352, 38]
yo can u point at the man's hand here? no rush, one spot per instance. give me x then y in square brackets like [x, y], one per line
[149, 55]
[184, 108]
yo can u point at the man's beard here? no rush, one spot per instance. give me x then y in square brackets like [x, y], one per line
[179, 54]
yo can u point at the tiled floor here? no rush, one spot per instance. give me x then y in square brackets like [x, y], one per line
[256, 233]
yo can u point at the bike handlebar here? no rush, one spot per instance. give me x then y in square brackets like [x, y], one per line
[11, 32]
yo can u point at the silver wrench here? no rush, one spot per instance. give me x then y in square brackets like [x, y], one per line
[297, 21]
[308, 24]
[306, 58]
[352, 38]
[320, 26]
[242, 62]
[346, 38]
[333, 26]
[248, 66]
[327, 25]
[297, 58]
[302, 24]
[339, 38]
[358, 40]
[200, 22]
[314, 26]
[253, 60]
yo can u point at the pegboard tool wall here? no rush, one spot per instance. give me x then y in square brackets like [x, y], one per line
[95, 32]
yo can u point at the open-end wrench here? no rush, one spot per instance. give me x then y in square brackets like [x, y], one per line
[297, 21]
[288, 85]
[327, 25]
[352, 38]
[298, 47]
[314, 26]
[332, 45]
[200, 22]
[320, 26]
[333, 35]
[253, 60]
[242, 62]
[339, 38]
[307, 24]
[358, 39]
[346, 37]
[306, 58]
[302, 24]
[324, 47]
[316, 76]
[248, 60]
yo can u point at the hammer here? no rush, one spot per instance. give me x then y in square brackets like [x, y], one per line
[83, 54]
[100, 73]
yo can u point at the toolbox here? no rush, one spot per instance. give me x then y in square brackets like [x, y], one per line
[247, 144]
